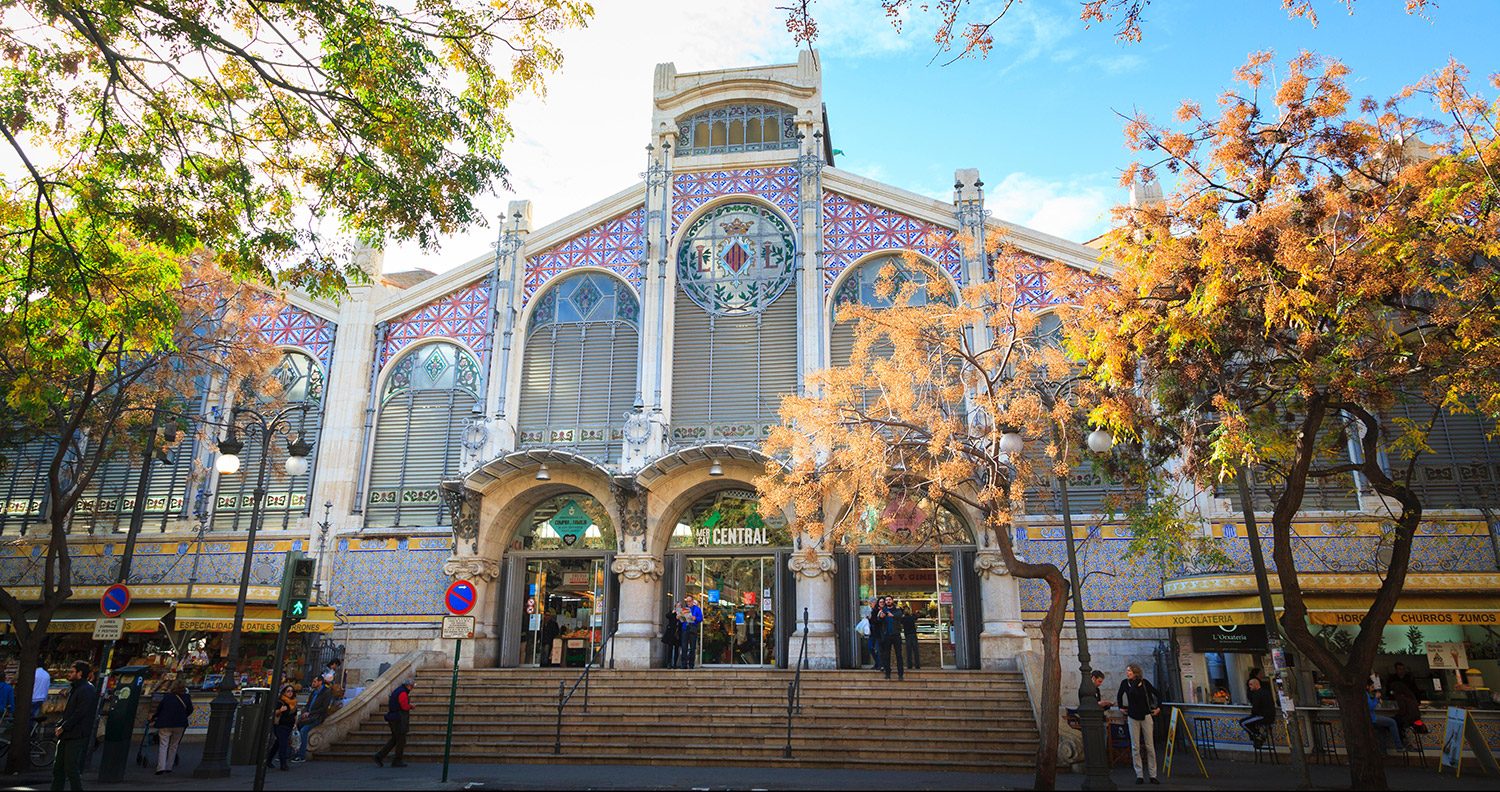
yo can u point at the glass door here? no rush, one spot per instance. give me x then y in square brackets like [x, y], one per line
[736, 594]
[566, 609]
[922, 584]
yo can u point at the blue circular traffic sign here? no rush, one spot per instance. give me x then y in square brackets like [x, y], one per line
[115, 600]
[461, 597]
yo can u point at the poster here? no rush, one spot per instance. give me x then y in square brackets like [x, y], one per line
[1447, 655]
[1453, 739]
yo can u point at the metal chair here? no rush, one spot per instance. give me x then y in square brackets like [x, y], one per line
[1325, 743]
[1411, 744]
[1268, 748]
[1203, 735]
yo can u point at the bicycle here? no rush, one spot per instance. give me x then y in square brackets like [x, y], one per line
[43, 746]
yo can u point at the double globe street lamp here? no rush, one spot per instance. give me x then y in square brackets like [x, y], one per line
[215, 763]
[1090, 716]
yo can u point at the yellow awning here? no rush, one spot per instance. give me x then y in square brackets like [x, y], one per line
[258, 618]
[1416, 610]
[144, 617]
[1197, 612]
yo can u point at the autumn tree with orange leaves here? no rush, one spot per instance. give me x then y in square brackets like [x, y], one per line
[1318, 262]
[933, 384]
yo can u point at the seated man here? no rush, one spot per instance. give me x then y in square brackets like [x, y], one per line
[1262, 712]
[1382, 721]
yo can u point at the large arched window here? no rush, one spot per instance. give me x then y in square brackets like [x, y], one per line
[1462, 468]
[301, 381]
[426, 403]
[730, 129]
[860, 287]
[578, 373]
[735, 340]
[23, 482]
[108, 500]
[573, 521]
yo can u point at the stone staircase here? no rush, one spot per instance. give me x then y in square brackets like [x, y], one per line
[968, 721]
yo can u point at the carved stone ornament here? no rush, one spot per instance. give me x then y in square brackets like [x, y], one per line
[472, 568]
[635, 567]
[991, 562]
[463, 504]
[631, 505]
[815, 567]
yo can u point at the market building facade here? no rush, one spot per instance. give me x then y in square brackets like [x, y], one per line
[574, 423]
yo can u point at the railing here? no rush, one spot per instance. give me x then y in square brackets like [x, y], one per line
[565, 694]
[794, 688]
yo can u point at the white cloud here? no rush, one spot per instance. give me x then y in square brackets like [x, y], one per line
[1076, 209]
[586, 140]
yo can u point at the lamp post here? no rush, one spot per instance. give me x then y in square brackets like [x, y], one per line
[215, 763]
[1090, 716]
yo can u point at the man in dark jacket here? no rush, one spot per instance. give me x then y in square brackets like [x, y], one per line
[874, 638]
[1139, 699]
[319, 696]
[550, 630]
[890, 637]
[398, 717]
[1262, 712]
[74, 727]
[909, 634]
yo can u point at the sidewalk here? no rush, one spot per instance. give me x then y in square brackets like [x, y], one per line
[1225, 774]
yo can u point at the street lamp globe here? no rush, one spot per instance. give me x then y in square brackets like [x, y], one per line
[296, 461]
[1100, 440]
[1011, 442]
[228, 462]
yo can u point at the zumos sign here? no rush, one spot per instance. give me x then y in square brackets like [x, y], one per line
[570, 522]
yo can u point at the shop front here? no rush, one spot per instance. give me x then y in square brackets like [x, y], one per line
[557, 575]
[734, 563]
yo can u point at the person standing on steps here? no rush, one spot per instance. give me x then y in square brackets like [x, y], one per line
[171, 720]
[398, 717]
[890, 637]
[671, 637]
[319, 696]
[1139, 700]
[75, 727]
[283, 720]
[550, 630]
[909, 635]
[875, 633]
[691, 617]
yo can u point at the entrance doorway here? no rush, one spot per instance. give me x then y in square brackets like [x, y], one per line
[921, 583]
[737, 594]
[566, 611]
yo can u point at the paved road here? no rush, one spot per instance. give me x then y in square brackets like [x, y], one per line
[1226, 774]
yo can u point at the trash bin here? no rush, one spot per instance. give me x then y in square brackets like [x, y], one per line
[246, 748]
[119, 721]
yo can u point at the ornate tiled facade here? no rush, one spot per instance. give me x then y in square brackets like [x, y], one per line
[853, 228]
[775, 184]
[617, 244]
[461, 315]
[288, 325]
[155, 563]
[391, 577]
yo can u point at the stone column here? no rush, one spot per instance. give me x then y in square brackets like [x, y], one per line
[814, 572]
[483, 650]
[1004, 633]
[640, 574]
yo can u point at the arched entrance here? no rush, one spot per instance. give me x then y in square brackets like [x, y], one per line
[732, 560]
[562, 553]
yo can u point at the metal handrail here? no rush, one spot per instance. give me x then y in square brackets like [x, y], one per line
[565, 694]
[794, 688]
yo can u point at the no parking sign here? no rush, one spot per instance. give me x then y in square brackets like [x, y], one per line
[461, 597]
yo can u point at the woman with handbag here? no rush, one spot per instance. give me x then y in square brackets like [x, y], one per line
[170, 720]
[283, 720]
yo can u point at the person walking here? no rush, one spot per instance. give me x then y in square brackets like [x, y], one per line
[890, 637]
[398, 717]
[691, 616]
[909, 636]
[319, 696]
[1139, 700]
[671, 637]
[874, 637]
[170, 721]
[75, 727]
[41, 685]
[1262, 711]
[283, 720]
[550, 630]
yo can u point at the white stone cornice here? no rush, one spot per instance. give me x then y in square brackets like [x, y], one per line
[819, 565]
[636, 567]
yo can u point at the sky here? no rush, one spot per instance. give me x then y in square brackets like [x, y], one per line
[1040, 116]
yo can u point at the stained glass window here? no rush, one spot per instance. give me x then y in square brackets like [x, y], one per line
[736, 259]
[730, 129]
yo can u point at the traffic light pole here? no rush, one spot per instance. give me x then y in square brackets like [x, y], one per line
[266, 713]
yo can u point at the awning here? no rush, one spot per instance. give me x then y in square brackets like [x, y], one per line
[1414, 610]
[258, 618]
[1197, 612]
[144, 617]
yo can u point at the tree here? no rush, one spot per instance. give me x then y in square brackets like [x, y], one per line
[1315, 266]
[919, 413]
[964, 27]
[254, 128]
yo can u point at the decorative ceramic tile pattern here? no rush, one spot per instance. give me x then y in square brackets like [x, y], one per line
[394, 577]
[1111, 582]
[692, 190]
[617, 244]
[853, 228]
[1032, 290]
[287, 325]
[462, 315]
[154, 563]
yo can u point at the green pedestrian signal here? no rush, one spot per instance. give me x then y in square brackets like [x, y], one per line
[296, 585]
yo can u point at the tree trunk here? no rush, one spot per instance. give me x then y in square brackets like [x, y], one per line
[1366, 766]
[19, 758]
[1051, 703]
